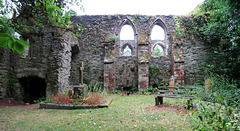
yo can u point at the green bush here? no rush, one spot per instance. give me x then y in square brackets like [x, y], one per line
[97, 87]
[221, 112]
[209, 116]
[86, 80]
[150, 89]
[220, 88]
[115, 92]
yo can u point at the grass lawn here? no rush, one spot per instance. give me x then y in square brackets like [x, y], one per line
[125, 113]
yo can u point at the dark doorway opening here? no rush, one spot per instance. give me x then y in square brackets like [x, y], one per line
[34, 88]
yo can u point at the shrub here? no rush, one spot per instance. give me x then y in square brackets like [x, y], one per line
[222, 110]
[60, 98]
[215, 117]
[97, 87]
[220, 88]
[94, 99]
[150, 89]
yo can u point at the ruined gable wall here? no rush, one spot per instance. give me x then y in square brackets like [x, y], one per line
[92, 47]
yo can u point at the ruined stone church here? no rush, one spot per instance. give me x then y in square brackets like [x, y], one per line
[51, 63]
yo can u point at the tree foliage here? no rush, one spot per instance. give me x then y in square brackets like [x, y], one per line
[24, 16]
[217, 24]
[7, 39]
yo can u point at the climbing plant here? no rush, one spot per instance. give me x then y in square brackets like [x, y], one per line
[216, 23]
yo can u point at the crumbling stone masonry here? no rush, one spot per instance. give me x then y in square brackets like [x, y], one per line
[54, 56]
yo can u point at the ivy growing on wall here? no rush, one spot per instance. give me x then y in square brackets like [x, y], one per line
[216, 23]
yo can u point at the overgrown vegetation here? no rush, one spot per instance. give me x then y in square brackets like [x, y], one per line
[217, 24]
[221, 112]
[221, 89]
[212, 116]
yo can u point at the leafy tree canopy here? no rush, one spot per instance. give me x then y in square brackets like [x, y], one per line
[17, 16]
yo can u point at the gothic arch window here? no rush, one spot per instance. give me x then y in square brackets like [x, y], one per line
[158, 50]
[127, 33]
[157, 33]
[158, 38]
[127, 50]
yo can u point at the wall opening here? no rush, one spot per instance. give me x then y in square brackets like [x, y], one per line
[127, 51]
[158, 50]
[34, 88]
[127, 33]
[157, 33]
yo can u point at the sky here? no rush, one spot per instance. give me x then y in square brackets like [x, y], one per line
[143, 7]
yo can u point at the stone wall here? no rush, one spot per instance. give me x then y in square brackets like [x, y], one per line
[48, 57]
[126, 68]
[193, 54]
[126, 72]
[55, 56]
[91, 47]
[4, 68]
[162, 66]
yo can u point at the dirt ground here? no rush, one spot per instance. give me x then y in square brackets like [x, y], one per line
[179, 109]
[9, 102]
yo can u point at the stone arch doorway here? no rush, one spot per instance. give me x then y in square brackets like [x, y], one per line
[33, 87]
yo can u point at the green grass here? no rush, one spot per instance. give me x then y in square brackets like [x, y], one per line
[125, 113]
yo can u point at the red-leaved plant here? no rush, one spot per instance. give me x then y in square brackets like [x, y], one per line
[60, 98]
[94, 99]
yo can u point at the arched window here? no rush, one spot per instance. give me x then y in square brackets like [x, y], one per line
[127, 33]
[158, 50]
[157, 33]
[127, 51]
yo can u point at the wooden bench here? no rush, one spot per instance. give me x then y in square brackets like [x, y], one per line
[175, 92]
